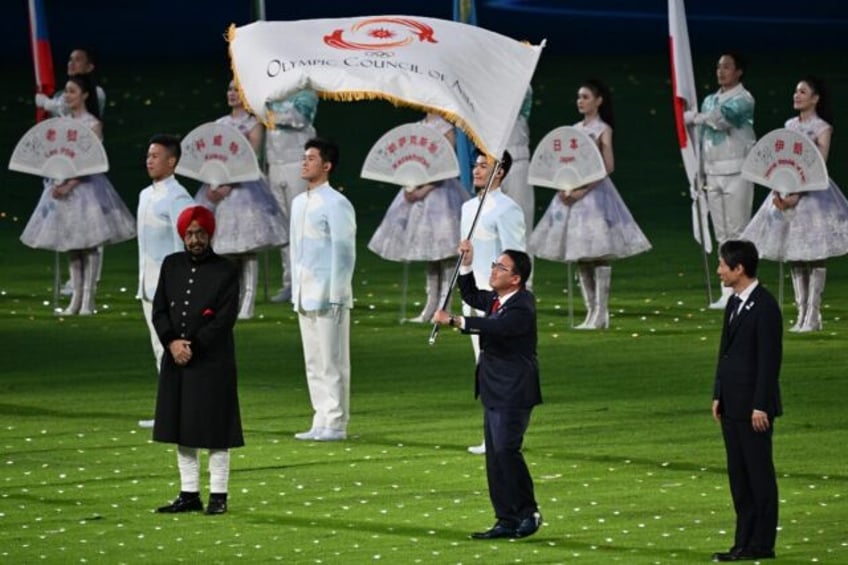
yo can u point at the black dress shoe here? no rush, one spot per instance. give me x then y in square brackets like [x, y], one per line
[217, 504]
[499, 530]
[752, 554]
[743, 554]
[183, 503]
[528, 526]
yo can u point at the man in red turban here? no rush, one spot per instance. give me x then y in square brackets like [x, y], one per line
[194, 312]
[204, 217]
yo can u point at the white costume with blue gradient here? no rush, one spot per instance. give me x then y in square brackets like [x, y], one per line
[323, 255]
[726, 130]
[159, 206]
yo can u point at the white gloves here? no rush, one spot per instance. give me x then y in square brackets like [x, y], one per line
[691, 117]
[54, 106]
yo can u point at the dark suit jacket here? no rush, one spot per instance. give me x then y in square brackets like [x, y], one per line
[197, 404]
[749, 359]
[507, 371]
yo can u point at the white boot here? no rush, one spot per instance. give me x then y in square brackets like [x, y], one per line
[721, 303]
[75, 267]
[90, 272]
[433, 276]
[600, 317]
[813, 320]
[99, 265]
[67, 288]
[800, 281]
[478, 449]
[587, 289]
[249, 279]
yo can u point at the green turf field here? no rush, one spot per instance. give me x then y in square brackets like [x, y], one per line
[629, 466]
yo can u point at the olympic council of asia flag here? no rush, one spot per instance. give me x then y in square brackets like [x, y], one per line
[473, 77]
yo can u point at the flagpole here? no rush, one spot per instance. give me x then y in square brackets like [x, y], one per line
[700, 189]
[259, 8]
[685, 98]
[403, 291]
[569, 274]
[42, 64]
[259, 15]
[435, 331]
[464, 11]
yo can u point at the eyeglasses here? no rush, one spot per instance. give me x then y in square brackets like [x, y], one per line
[501, 267]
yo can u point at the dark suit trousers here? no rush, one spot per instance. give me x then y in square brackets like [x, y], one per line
[510, 485]
[753, 483]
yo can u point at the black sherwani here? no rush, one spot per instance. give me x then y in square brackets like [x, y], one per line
[508, 386]
[747, 379]
[197, 404]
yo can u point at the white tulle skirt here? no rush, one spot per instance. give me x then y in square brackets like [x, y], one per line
[597, 227]
[92, 214]
[815, 229]
[427, 230]
[247, 220]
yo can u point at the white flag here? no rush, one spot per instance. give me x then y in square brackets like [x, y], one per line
[472, 77]
[686, 98]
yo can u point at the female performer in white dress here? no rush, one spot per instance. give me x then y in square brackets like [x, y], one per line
[805, 228]
[247, 216]
[80, 214]
[422, 224]
[591, 225]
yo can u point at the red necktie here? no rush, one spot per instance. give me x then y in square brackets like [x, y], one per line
[495, 305]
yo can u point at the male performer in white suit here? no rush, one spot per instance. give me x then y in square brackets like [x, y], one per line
[159, 206]
[500, 226]
[323, 253]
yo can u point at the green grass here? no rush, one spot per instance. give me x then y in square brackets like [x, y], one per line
[629, 466]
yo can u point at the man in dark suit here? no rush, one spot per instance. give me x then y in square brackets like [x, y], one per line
[746, 400]
[507, 383]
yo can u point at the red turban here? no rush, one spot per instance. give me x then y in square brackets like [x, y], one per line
[203, 215]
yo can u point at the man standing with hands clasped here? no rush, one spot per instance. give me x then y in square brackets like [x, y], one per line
[746, 400]
[194, 311]
[507, 383]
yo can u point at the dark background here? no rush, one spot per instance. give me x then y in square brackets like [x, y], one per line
[164, 67]
[122, 31]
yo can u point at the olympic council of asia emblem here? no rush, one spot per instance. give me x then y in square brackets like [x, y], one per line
[381, 34]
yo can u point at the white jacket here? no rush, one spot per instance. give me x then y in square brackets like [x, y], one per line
[323, 249]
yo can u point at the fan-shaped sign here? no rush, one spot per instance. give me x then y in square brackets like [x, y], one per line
[786, 161]
[411, 155]
[565, 159]
[59, 149]
[218, 154]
